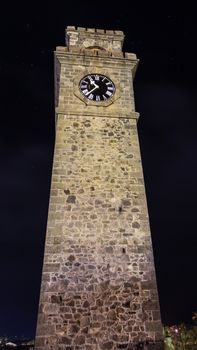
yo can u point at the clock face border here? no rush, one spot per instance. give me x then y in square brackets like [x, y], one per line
[94, 71]
[102, 88]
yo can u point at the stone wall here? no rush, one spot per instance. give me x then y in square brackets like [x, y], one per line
[98, 284]
[98, 280]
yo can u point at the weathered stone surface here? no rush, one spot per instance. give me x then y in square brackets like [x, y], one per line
[40, 341]
[56, 299]
[98, 285]
[80, 340]
[71, 199]
[67, 191]
[84, 321]
[86, 304]
[45, 329]
[126, 203]
[74, 328]
[66, 340]
[135, 225]
[153, 326]
[107, 345]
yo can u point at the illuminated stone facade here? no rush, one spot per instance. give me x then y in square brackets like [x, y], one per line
[98, 287]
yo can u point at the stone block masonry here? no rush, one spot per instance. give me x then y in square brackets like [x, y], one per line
[98, 287]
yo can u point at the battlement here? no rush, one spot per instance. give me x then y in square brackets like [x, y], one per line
[107, 40]
[95, 30]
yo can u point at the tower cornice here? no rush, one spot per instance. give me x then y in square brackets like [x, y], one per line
[127, 59]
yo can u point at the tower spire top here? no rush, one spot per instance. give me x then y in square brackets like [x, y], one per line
[109, 40]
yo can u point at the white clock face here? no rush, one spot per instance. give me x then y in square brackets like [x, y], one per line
[97, 87]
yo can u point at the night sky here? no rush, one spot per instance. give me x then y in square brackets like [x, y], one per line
[166, 98]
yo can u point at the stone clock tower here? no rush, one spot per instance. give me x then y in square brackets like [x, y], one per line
[98, 287]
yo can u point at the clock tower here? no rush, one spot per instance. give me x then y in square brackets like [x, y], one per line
[98, 289]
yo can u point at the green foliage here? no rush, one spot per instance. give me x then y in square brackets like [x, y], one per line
[181, 337]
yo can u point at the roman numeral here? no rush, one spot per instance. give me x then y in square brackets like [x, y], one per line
[91, 97]
[98, 98]
[83, 86]
[84, 82]
[97, 77]
[104, 97]
[90, 78]
[108, 93]
[85, 91]
[110, 88]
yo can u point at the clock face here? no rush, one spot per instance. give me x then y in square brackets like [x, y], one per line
[97, 87]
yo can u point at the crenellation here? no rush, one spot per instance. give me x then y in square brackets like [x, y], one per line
[111, 32]
[117, 54]
[71, 28]
[91, 30]
[81, 29]
[90, 37]
[100, 31]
